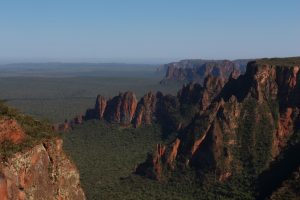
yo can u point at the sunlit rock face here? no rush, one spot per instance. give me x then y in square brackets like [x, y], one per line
[258, 110]
[42, 172]
[100, 106]
[145, 111]
[121, 108]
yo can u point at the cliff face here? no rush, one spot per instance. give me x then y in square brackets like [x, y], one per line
[167, 110]
[241, 126]
[120, 109]
[100, 106]
[33, 164]
[43, 172]
[145, 111]
[215, 122]
[197, 70]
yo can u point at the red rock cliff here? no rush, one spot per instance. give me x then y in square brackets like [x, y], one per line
[43, 172]
[197, 70]
[32, 162]
[145, 111]
[100, 106]
[266, 100]
[121, 108]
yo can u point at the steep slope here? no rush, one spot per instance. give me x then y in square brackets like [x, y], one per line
[280, 180]
[241, 131]
[33, 164]
[231, 130]
[119, 109]
[289, 188]
[172, 112]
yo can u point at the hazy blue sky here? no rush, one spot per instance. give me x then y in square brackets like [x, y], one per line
[148, 29]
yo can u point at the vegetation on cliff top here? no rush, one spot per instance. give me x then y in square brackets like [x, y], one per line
[35, 130]
[291, 61]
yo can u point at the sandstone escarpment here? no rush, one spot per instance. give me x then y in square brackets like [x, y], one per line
[145, 111]
[280, 84]
[32, 162]
[197, 70]
[240, 125]
[166, 110]
[124, 109]
[43, 172]
[213, 86]
[172, 112]
[274, 84]
[121, 108]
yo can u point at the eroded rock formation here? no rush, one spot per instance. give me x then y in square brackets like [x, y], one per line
[145, 111]
[156, 107]
[121, 108]
[197, 70]
[124, 109]
[100, 106]
[43, 172]
[32, 162]
[246, 120]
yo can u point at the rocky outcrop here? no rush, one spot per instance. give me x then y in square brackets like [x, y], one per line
[145, 111]
[281, 84]
[121, 108]
[43, 172]
[11, 131]
[152, 167]
[245, 120]
[68, 125]
[32, 162]
[197, 70]
[213, 86]
[274, 84]
[100, 107]
[155, 107]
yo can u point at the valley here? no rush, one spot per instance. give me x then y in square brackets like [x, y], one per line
[149, 100]
[57, 99]
[175, 142]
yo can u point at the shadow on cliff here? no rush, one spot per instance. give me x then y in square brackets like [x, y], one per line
[280, 170]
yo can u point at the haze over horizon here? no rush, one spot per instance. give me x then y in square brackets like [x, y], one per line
[147, 31]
